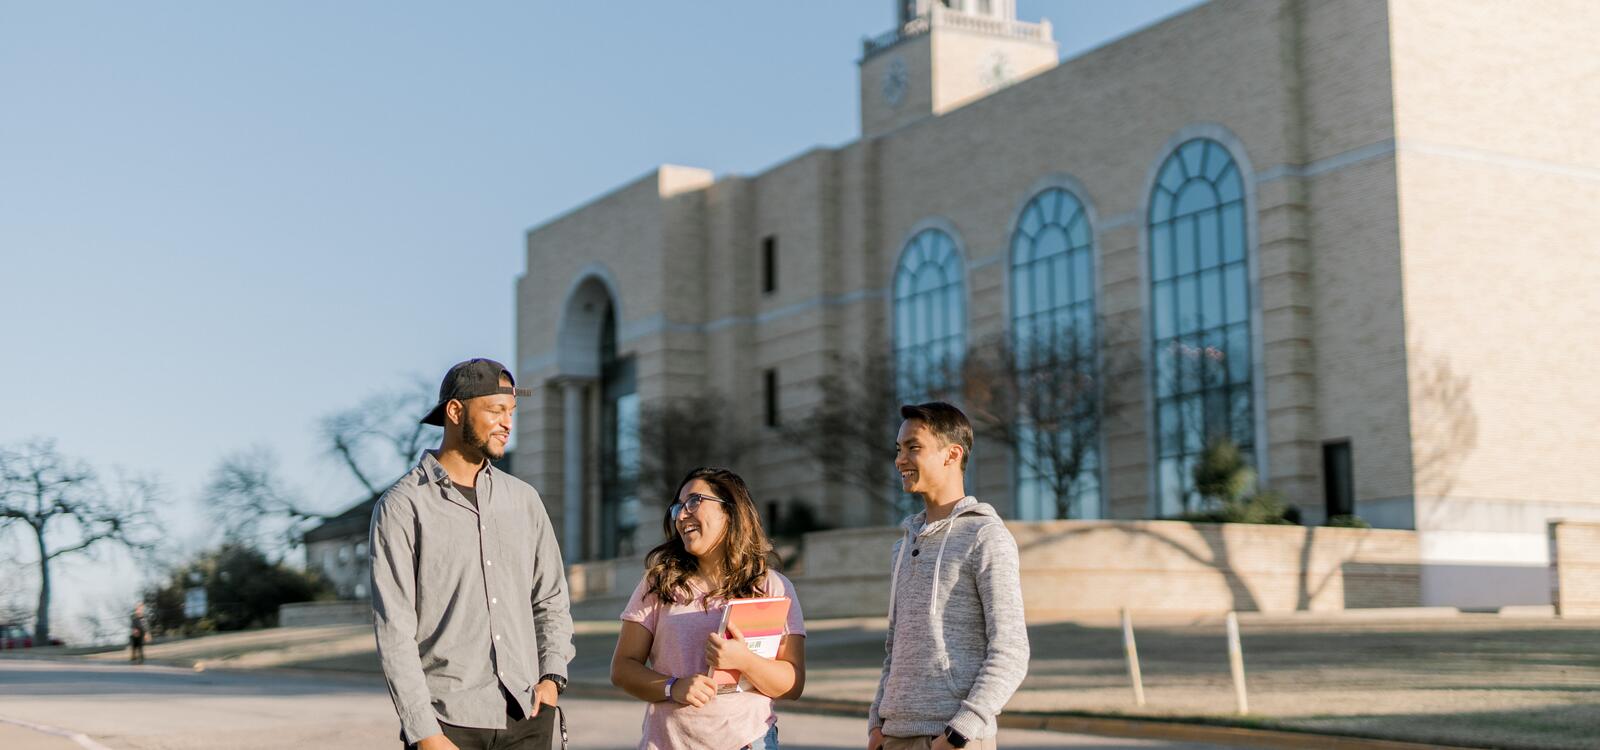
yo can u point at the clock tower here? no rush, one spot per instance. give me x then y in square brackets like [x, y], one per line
[944, 54]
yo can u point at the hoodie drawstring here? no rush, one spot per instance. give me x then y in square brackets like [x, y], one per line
[894, 577]
[933, 601]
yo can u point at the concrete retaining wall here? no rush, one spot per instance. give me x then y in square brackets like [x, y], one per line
[1072, 568]
[600, 589]
[1575, 564]
[309, 614]
[1087, 567]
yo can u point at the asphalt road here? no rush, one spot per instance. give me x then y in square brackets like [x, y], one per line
[118, 707]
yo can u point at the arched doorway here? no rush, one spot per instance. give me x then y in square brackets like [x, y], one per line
[600, 409]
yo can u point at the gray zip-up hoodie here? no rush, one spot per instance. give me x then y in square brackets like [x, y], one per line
[957, 647]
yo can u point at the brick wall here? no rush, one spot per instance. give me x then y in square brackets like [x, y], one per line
[1496, 190]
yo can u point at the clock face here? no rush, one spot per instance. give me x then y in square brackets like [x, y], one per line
[896, 79]
[995, 69]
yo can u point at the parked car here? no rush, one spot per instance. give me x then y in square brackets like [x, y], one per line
[13, 635]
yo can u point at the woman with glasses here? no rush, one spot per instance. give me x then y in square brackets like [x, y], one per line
[715, 552]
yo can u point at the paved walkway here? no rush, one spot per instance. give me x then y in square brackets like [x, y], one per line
[124, 707]
[1465, 680]
[1469, 680]
[16, 737]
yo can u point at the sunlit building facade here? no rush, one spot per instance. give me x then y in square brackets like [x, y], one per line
[1354, 237]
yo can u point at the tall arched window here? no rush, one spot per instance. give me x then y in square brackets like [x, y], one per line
[1200, 315]
[930, 315]
[1057, 465]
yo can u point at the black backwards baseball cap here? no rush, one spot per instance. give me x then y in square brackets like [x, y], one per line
[471, 379]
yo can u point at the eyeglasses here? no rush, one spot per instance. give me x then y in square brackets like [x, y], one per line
[692, 504]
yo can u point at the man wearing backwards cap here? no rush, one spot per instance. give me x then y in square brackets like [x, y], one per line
[469, 597]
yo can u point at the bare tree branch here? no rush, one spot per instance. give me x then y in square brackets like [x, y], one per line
[341, 447]
[381, 438]
[1044, 399]
[676, 435]
[850, 432]
[375, 442]
[62, 499]
[246, 493]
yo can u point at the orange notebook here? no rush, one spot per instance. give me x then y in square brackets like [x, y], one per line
[762, 622]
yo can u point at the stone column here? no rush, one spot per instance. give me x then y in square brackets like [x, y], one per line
[572, 419]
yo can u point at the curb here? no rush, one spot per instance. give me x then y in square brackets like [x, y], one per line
[1180, 730]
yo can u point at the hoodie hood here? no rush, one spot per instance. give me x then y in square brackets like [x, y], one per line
[965, 507]
[968, 505]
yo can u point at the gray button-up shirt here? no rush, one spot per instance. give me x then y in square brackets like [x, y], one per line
[465, 599]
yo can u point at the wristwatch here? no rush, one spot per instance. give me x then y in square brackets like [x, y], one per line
[561, 682]
[956, 739]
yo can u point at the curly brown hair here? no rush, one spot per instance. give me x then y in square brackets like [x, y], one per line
[746, 551]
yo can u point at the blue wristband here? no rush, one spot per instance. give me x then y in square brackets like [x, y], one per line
[668, 690]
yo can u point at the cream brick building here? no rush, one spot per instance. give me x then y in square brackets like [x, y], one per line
[1378, 215]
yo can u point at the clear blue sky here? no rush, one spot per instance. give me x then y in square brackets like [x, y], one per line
[220, 221]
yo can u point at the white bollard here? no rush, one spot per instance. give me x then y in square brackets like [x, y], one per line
[1236, 662]
[1131, 649]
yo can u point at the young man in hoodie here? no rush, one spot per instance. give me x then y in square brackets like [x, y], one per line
[957, 648]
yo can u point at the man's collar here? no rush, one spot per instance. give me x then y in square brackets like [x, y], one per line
[435, 470]
[432, 468]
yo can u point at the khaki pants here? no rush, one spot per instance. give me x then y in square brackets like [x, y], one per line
[923, 743]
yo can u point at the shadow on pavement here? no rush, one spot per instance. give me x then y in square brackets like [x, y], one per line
[44, 678]
[1566, 727]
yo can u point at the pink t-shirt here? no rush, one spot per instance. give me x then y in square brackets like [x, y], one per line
[732, 720]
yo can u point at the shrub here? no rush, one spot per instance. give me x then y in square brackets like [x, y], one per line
[1221, 475]
[243, 590]
[1263, 507]
[1348, 522]
[1224, 479]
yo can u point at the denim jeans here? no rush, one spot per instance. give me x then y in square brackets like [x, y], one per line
[768, 741]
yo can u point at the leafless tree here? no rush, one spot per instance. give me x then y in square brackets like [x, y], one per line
[14, 594]
[249, 499]
[676, 435]
[381, 438]
[69, 511]
[850, 432]
[1044, 400]
[105, 623]
[374, 442]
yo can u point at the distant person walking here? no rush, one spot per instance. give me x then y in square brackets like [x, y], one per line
[957, 647]
[671, 636]
[469, 597]
[138, 633]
